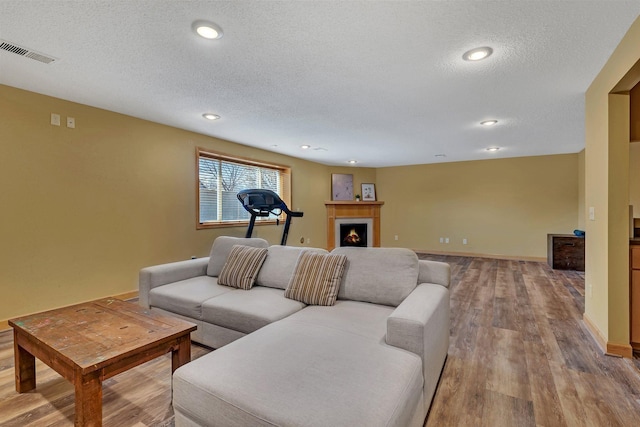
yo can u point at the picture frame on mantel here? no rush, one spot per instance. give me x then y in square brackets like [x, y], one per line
[341, 186]
[368, 192]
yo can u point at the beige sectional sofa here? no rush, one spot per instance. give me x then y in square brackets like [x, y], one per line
[372, 359]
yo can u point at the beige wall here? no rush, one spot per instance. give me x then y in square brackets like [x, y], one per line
[634, 178]
[607, 191]
[581, 184]
[84, 209]
[504, 207]
[618, 295]
[634, 106]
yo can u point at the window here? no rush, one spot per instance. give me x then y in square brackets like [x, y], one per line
[221, 177]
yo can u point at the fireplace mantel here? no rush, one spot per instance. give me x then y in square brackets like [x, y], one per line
[352, 209]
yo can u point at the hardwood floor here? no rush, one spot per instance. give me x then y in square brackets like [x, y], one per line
[519, 356]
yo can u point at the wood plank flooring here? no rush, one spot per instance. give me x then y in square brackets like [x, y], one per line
[519, 356]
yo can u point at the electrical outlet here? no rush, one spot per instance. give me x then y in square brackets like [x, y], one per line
[71, 122]
[592, 213]
[308, 240]
[55, 119]
[395, 237]
[442, 240]
[446, 240]
[464, 241]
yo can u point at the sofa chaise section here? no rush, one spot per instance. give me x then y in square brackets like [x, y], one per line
[293, 373]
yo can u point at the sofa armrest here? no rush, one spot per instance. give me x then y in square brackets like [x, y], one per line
[434, 272]
[420, 324]
[158, 275]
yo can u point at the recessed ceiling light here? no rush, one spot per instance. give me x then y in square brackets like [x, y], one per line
[305, 147]
[441, 155]
[488, 122]
[493, 148]
[207, 29]
[352, 162]
[211, 116]
[477, 54]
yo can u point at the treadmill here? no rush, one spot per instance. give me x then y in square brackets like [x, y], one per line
[262, 203]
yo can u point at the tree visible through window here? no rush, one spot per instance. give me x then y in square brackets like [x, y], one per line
[221, 177]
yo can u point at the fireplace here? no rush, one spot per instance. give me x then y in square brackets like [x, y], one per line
[348, 212]
[353, 235]
[356, 232]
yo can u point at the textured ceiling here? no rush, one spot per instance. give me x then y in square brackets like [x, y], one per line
[381, 82]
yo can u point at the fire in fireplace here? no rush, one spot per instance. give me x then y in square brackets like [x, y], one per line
[353, 235]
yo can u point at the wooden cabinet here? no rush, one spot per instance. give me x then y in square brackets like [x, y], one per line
[565, 252]
[634, 295]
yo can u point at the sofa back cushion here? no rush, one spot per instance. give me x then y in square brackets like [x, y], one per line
[221, 248]
[378, 275]
[278, 268]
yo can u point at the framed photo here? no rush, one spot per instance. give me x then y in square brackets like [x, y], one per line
[341, 186]
[368, 192]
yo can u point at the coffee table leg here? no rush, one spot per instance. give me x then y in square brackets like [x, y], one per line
[25, 364]
[88, 399]
[183, 354]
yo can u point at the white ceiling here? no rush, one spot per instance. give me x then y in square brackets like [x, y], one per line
[382, 82]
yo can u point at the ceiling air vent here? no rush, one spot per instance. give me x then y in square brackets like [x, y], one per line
[23, 51]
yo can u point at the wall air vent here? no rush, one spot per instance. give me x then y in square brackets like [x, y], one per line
[27, 53]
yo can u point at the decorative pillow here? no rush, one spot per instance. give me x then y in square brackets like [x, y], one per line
[316, 278]
[242, 266]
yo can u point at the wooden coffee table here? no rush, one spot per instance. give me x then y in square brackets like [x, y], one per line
[88, 343]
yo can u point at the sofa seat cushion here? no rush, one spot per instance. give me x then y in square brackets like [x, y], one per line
[293, 373]
[378, 275]
[186, 296]
[247, 311]
[359, 318]
[279, 265]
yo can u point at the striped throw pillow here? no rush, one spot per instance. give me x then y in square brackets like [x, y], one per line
[242, 266]
[316, 278]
